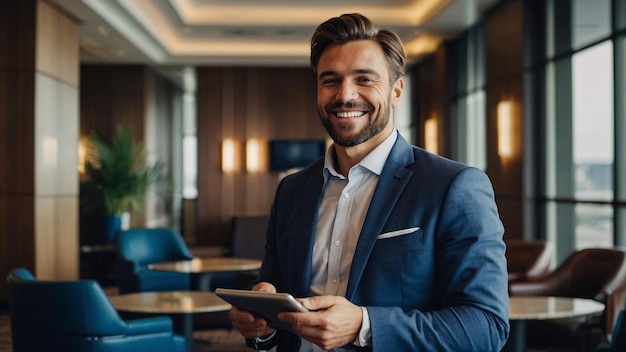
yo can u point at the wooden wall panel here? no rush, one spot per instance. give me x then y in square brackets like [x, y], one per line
[16, 132]
[504, 40]
[431, 93]
[68, 51]
[243, 103]
[17, 38]
[111, 96]
[47, 39]
[17, 34]
[209, 133]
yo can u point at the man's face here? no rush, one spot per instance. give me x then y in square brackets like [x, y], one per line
[354, 95]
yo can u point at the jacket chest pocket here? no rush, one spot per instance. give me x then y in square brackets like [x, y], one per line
[398, 250]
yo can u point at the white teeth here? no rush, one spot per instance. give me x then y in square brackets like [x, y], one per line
[347, 114]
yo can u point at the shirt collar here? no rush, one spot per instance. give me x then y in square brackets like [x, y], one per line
[374, 161]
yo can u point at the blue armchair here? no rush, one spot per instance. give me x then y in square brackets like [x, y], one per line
[77, 316]
[137, 248]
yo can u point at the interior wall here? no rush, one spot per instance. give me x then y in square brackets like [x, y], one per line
[504, 81]
[504, 63]
[113, 95]
[136, 97]
[38, 140]
[430, 92]
[244, 103]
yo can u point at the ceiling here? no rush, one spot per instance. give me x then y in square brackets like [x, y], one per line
[249, 32]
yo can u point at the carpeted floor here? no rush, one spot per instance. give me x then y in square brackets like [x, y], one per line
[221, 340]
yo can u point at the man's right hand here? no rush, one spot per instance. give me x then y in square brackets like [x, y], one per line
[249, 325]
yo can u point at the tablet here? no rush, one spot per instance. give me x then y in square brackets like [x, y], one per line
[263, 304]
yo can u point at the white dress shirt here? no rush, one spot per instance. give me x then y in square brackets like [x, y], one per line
[340, 219]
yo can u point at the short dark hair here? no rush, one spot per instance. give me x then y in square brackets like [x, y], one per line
[354, 26]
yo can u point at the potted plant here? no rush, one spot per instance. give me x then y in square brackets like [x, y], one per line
[118, 175]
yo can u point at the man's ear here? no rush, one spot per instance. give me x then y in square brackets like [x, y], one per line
[396, 92]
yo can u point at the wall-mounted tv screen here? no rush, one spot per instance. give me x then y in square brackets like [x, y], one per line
[291, 154]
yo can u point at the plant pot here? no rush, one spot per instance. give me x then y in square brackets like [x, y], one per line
[112, 224]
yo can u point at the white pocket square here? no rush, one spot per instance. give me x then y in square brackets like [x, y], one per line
[398, 233]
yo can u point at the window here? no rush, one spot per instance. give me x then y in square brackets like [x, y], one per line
[591, 21]
[468, 101]
[592, 114]
[582, 121]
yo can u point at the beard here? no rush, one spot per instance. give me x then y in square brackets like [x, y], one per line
[374, 126]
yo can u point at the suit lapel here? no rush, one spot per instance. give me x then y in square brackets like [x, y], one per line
[300, 271]
[393, 179]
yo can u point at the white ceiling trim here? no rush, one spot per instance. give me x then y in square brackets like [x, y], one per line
[201, 13]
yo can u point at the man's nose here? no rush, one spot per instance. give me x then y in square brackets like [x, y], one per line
[347, 91]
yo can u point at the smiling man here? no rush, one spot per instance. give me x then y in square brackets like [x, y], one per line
[391, 248]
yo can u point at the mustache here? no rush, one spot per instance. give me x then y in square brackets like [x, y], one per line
[348, 105]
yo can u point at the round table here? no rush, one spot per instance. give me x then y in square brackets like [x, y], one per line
[180, 305]
[523, 309]
[202, 268]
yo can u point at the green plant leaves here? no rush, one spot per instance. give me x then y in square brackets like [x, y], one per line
[120, 171]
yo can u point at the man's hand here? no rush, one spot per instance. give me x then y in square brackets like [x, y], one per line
[251, 326]
[333, 321]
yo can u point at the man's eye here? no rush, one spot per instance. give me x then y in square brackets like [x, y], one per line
[330, 81]
[365, 80]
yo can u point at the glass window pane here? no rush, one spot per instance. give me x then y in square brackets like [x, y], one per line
[470, 139]
[591, 21]
[620, 106]
[620, 14]
[592, 95]
[402, 114]
[594, 226]
[477, 130]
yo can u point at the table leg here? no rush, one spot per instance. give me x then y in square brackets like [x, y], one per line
[183, 324]
[517, 337]
[201, 282]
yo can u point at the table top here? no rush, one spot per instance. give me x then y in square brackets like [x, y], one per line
[208, 265]
[169, 302]
[541, 308]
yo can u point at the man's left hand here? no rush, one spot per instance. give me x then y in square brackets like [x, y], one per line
[333, 321]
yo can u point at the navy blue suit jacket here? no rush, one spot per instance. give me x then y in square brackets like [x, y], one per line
[440, 288]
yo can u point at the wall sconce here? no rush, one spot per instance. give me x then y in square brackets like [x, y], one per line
[228, 155]
[82, 156]
[253, 153]
[505, 129]
[430, 135]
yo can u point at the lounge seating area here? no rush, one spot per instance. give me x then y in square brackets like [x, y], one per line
[79, 316]
[71, 307]
[597, 274]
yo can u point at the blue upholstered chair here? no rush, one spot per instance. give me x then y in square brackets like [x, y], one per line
[137, 248]
[77, 316]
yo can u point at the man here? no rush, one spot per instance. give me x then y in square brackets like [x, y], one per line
[394, 248]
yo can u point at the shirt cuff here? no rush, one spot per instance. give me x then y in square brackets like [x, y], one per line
[364, 338]
[264, 339]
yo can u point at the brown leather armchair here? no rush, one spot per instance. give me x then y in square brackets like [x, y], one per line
[594, 273]
[528, 260]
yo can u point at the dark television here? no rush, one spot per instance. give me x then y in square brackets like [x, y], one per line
[290, 154]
